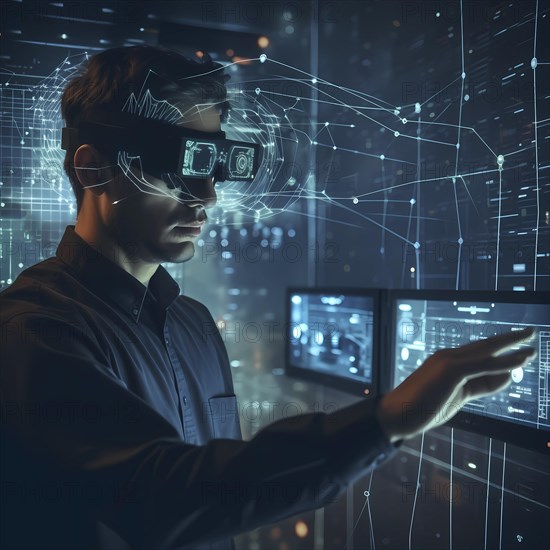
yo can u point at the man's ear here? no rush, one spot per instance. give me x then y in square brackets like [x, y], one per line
[92, 169]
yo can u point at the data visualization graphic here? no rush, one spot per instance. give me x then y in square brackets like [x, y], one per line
[424, 326]
[333, 334]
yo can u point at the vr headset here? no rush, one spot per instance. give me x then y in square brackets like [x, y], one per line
[166, 148]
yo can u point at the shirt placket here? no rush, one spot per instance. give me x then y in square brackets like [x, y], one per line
[189, 426]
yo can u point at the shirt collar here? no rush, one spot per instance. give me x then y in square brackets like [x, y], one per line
[110, 281]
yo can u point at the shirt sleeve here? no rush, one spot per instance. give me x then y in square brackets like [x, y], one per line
[62, 402]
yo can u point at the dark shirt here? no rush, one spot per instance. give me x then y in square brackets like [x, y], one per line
[120, 426]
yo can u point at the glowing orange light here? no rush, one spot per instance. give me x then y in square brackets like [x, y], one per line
[366, 391]
[229, 52]
[241, 60]
[301, 529]
[199, 54]
[263, 41]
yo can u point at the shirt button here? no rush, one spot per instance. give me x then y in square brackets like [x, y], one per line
[184, 400]
[166, 341]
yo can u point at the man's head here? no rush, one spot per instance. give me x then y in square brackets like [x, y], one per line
[139, 212]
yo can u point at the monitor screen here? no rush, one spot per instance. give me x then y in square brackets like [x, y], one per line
[331, 337]
[422, 324]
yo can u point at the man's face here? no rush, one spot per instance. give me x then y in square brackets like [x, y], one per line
[153, 226]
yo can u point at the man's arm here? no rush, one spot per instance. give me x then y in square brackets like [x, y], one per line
[158, 490]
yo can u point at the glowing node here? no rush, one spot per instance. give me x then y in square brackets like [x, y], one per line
[366, 493]
[466, 97]
[460, 241]
[334, 147]
[396, 112]
[534, 63]
[382, 157]
[326, 123]
[396, 134]
[404, 120]
[417, 244]
[257, 90]
[457, 145]
[500, 160]
[352, 125]
[453, 179]
[412, 201]
[517, 375]
[417, 108]
[263, 57]
[438, 14]
[314, 81]
[463, 76]
[355, 200]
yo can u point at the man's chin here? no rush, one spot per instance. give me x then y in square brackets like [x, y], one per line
[186, 251]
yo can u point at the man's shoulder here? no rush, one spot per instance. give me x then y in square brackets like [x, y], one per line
[35, 291]
[191, 304]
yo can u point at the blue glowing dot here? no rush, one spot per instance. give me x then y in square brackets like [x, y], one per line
[412, 201]
[417, 108]
[355, 200]
[263, 57]
[382, 157]
[461, 240]
[404, 120]
[314, 81]
[500, 160]
[417, 244]
[463, 75]
[534, 63]
[396, 134]
[257, 90]
[466, 97]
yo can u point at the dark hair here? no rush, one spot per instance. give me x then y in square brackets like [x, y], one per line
[108, 79]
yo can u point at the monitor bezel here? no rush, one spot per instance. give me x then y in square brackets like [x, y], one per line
[523, 436]
[354, 387]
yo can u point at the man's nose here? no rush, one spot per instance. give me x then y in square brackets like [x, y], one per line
[201, 193]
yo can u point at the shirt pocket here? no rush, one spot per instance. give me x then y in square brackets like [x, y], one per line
[224, 417]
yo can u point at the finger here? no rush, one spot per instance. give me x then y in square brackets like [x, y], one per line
[486, 385]
[495, 365]
[495, 344]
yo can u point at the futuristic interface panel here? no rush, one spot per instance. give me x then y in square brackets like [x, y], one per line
[332, 333]
[422, 326]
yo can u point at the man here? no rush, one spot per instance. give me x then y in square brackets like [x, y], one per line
[119, 426]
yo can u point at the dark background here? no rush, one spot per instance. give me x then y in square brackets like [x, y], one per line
[381, 56]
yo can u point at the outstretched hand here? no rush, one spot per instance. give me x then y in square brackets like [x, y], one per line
[447, 380]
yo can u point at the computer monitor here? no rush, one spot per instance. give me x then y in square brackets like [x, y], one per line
[421, 322]
[332, 337]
